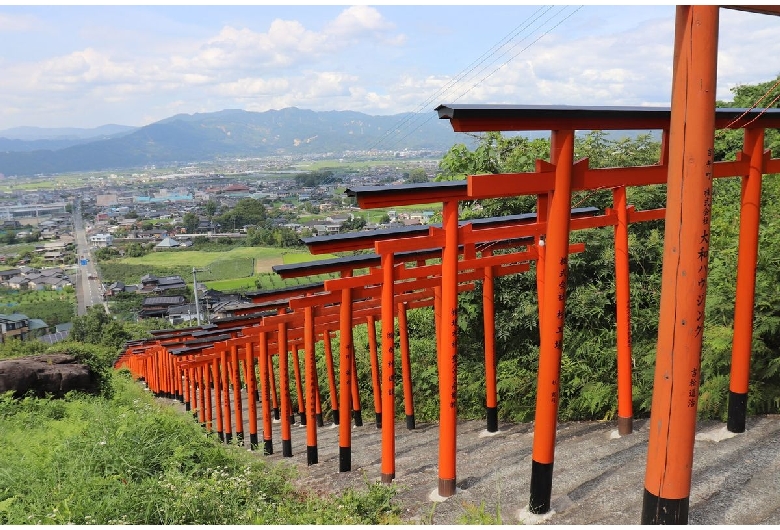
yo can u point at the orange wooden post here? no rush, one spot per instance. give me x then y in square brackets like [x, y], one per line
[388, 370]
[346, 375]
[318, 403]
[206, 369]
[406, 367]
[225, 394]
[265, 402]
[272, 384]
[375, 376]
[672, 425]
[746, 281]
[437, 320]
[238, 404]
[217, 385]
[334, 396]
[489, 324]
[625, 411]
[251, 391]
[284, 389]
[310, 369]
[201, 394]
[299, 385]
[556, 270]
[542, 210]
[356, 407]
[448, 358]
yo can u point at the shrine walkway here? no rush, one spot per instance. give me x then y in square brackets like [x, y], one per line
[598, 476]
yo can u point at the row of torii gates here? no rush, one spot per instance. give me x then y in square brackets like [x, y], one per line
[428, 266]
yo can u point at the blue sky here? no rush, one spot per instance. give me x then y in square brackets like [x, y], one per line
[85, 66]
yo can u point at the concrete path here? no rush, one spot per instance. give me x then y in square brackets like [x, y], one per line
[598, 476]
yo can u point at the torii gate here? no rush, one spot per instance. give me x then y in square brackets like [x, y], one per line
[689, 179]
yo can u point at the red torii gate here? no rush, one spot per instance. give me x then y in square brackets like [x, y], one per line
[674, 468]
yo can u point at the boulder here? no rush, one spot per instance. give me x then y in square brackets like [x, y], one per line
[54, 374]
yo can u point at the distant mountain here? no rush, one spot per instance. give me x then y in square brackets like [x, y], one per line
[64, 133]
[188, 138]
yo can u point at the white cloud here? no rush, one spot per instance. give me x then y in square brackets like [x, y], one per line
[18, 23]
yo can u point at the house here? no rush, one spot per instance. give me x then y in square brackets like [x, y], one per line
[101, 240]
[158, 306]
[151, 283]
[183, 313]
[167, 244]
[8, 274]
[14, 326]
[18, 282]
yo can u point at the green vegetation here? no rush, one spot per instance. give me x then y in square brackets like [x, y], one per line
[121, 457]
[129, 460]
[53, 307]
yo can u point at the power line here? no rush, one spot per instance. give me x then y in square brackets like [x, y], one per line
[470, 68]
[546, 32]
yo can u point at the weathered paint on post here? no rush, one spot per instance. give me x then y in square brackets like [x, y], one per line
[672, 425]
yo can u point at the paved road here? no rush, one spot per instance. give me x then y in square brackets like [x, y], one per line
[89, 292]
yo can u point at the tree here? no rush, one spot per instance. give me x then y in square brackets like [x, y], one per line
[417, 175]
[190, 222]
[211, 208]
[98, 327]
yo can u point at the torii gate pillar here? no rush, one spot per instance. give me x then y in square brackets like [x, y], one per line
[684, 276]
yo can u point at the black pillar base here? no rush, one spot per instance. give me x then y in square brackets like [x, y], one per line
[292, 419]
[378, 420]
[276, 414]
[345, 459]
[358, 417]
[387, 478]
[302, 416]
[320, 421]
[257, 396]
[446, 487]
[335, 416]
[187, 407]
[737, 412]
[253, 441]
[492, 419]
[625, 425]
[268, 447]
[541, 487]
[287, 448]
[228, 437]
[410, 422]
[656, 510]
[221, 436]
[240, 438]
[311, 455]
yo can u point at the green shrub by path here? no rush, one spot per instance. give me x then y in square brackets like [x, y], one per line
[130, 460]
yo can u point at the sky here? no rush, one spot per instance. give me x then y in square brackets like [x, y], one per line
[91, 65]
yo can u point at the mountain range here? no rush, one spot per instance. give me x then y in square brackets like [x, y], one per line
[187, 138]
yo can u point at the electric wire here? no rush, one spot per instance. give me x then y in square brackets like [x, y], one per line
[466, 71]
[486, 67]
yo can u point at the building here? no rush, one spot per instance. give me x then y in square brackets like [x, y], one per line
[14, 326]
[101, 240]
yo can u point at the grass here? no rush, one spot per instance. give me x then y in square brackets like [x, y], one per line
[131, 460]
[202, 259]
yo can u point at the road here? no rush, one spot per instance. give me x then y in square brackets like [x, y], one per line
[89, 292]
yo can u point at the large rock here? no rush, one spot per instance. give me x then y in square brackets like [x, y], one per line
[55, 374]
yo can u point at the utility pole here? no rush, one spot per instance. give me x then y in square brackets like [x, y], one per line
[195, 290]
